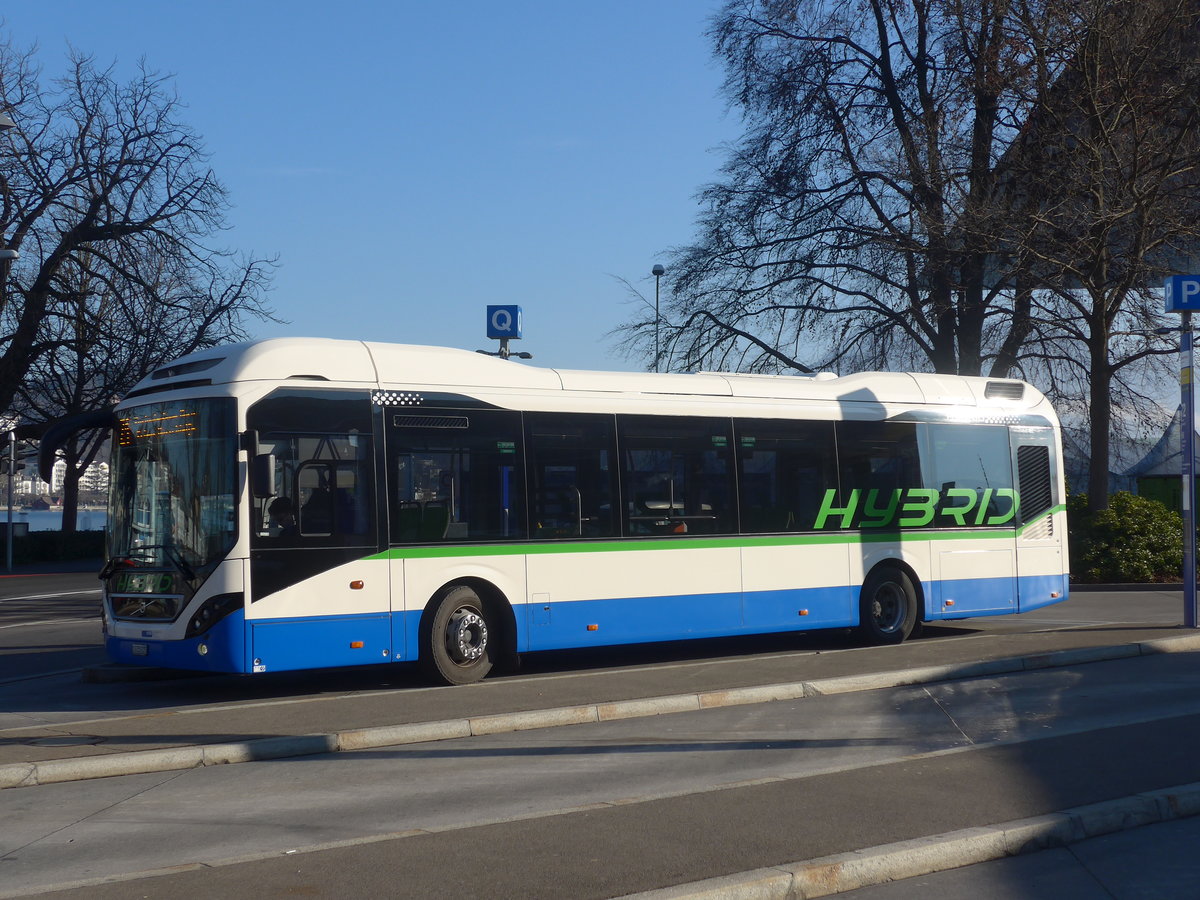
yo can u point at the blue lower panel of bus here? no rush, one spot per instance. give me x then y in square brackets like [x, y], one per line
[1042, 590]
[224, 647]
[993, 596]
[320, 642]
[828, 607]
[265, 646]
[961, 598]
[632, 620]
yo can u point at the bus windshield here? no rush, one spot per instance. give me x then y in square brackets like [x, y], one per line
[173, 483]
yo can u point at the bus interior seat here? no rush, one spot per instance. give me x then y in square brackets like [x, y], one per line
[348, 519]
[768, 520]
[316, 513]
[408, 520]
[435, 520]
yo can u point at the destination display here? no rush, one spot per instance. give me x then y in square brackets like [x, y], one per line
[160, 424]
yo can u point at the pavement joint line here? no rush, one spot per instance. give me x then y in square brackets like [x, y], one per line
[31, 774]
[828, 875]
[43, 622]
[34, 675]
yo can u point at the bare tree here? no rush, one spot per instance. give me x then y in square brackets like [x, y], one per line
[99, 177]
[1106, 178]
[991, 186]
[855, 220]
[128, 319]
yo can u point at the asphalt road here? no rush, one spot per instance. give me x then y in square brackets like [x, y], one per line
[605, 808]
[49, 623]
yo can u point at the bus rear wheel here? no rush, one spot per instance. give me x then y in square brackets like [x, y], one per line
[457, 640]
[887, 606]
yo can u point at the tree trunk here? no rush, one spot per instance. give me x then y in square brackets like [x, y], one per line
[1101, 430]
[70, 495]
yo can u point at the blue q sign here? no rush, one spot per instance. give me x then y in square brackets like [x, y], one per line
[1183, 293]
[504, 321]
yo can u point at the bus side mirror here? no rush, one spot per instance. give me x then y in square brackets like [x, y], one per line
[262, 475]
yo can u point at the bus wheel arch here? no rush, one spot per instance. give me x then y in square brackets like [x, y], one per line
[891, 603]
[468, 627]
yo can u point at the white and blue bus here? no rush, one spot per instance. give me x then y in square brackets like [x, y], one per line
[299, 503]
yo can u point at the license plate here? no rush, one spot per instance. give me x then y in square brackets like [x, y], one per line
[141, 649]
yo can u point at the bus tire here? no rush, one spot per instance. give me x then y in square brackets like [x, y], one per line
[887, 606]
[457, 640]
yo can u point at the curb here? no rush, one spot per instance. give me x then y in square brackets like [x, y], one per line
[31, 774]
[937, 853]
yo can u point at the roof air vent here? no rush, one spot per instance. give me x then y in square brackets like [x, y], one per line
[177, 369]
[1004, 390]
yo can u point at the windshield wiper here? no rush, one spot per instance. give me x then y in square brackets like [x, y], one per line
[110, 567]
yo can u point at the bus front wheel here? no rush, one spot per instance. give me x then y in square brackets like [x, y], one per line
[887, 606]
[457, 640]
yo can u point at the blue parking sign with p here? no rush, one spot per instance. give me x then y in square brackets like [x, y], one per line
[504, 321]
[1183, 293]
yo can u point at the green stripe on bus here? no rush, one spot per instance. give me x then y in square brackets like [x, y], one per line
[625, 545]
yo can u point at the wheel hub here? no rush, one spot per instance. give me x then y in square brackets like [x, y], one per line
[466, 636]
[887, 608]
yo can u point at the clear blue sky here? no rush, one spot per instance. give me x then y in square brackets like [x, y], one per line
[411, 162]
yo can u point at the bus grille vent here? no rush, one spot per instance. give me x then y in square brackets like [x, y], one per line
[1041, 530]
[431, 422]
[1034, 482]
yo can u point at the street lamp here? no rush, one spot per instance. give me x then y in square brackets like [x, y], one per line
[658, 271]
[7, 258]
[7, 124]
[10, 426]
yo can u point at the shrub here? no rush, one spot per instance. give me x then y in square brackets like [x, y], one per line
[56, 546]
[1134, 540]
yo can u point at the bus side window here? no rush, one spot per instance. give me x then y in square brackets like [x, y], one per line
[785, 467]
[677, 475]
[966, 460]
[322, 446]
[880, 457]
[455, 475]
[572, 482]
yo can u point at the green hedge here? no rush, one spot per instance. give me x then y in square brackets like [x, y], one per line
[56, 546]
[1135, 540]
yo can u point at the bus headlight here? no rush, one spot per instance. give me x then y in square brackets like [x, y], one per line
[212, 611]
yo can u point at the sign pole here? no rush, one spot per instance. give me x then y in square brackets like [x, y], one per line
[1183, 296]
[1188, 449]
[12, 466]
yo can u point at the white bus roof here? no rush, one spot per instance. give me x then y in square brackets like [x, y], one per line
[404, 366]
